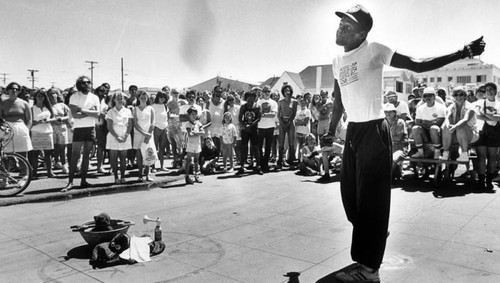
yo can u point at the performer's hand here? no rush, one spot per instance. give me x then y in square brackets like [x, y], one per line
[474, 48]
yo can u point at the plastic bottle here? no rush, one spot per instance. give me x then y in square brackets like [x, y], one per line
[158, 232]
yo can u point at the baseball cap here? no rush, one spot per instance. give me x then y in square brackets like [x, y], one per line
[391, 93]
[429, 90]
[388, 107]
[360, 15]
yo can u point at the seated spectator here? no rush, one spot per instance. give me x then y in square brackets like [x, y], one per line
[460, 122]
[402, 109]
[428, 121]
[208, 157]
[399, 136]
[330, 150]
[310, 161]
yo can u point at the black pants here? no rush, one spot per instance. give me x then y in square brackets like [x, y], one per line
[253, 138]
[365, 178]
[267, 135]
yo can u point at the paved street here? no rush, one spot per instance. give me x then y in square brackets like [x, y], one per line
[251, 228]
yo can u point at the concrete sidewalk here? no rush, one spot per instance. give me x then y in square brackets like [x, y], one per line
[254, 228]
[46, 189]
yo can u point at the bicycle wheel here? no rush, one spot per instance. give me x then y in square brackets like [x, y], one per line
[15, 174]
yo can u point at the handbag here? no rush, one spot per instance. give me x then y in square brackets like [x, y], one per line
[148, 151]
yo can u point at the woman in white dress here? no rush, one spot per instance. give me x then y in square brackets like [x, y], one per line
[144, 123]
[42, 132]
[119, 123]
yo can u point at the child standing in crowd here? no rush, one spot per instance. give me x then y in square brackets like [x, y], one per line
[194, 131]
[161, 124]
[144, 120]
[228, 137]
[249, 118]
[302, 121]
[62, 117]
[119, 122]
[41, 132]
[233, 108]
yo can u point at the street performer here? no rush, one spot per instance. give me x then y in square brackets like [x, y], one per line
[367, 158]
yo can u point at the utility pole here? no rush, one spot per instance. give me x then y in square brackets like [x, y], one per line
[32, 71]
[92, 71]
[122, 76]
[53, 83]
[4, 77]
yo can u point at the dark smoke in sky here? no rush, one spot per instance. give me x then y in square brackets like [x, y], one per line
[199, 34]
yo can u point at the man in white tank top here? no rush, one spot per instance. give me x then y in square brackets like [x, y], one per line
[366, 164]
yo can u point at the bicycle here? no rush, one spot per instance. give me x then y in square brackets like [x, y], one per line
[15, 170]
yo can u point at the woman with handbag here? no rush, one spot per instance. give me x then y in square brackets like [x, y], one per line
[144, 123]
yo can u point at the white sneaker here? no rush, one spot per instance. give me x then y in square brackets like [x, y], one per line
[437, 153]
[446, 155]
[464, 157]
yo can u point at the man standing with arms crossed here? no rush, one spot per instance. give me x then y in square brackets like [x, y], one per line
[366, 164]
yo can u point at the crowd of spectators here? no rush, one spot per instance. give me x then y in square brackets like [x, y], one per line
[259, 130]
[448, 127]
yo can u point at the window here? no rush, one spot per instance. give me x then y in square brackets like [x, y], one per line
[438, 79]
[399, 86]
[450, 79]
[432, 80]
[481, 79]
[424, 80]
[463, 79]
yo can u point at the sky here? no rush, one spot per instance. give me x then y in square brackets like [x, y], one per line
[181, 43]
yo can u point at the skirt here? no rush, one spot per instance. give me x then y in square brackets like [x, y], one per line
[42, 141]
[113, 144]
[21, 141]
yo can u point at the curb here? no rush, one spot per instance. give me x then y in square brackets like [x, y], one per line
[76, 192]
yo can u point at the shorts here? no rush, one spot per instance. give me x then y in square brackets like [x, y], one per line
[84, 134]
[60, 134]
[489, 136]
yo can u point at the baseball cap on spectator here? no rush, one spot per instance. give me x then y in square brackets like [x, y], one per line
[388, 107]
[256, 88]
[430, 90]
[391, 93]
[360, 15]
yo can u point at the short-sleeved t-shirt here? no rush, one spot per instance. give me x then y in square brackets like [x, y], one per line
[427, 113]
[89, 101]
[183, 111]
[302, 114]
[492, 107]
[359, 74]
[267, 106]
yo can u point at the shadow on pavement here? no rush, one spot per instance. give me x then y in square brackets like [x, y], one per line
[80, 252]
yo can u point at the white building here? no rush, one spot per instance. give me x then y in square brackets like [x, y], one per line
[466, 72]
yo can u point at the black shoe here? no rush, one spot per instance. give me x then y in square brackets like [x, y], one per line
[325, 178]
[257, 171]
[241, 171]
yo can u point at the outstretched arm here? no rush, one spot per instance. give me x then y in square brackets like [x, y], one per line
[423, 65]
